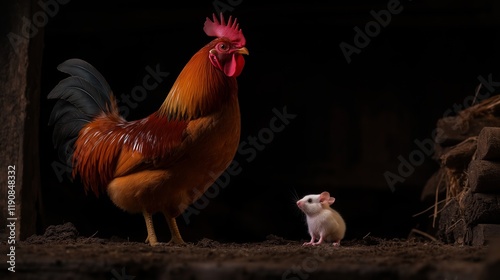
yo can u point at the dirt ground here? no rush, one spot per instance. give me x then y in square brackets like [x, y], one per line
[61, 254]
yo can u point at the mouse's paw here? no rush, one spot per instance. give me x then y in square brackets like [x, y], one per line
[308, 243]
[336, 244]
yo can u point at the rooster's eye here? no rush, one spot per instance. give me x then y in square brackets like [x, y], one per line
[222, 47]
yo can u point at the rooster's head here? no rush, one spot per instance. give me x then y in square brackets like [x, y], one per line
[227, 49]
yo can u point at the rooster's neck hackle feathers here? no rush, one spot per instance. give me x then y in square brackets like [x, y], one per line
[200, 89]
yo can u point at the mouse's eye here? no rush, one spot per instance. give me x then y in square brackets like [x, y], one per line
[310, 200]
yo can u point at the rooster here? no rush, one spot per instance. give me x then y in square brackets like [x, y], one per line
[166, 161]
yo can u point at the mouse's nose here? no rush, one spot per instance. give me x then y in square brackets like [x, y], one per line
[299, 203]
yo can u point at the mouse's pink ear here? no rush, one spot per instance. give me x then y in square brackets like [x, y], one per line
[325, 197]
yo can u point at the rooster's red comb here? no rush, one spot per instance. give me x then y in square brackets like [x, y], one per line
[221, 29]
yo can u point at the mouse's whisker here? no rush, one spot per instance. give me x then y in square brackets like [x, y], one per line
[294, 194]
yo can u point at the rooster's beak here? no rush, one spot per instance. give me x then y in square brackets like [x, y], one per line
[242, 51]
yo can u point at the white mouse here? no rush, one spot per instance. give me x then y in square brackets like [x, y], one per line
[325, 224]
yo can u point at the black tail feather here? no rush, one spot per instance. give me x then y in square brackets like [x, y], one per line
[81, 94]
[63, 116]
[82, 97]
[65, 151]
[79, 68]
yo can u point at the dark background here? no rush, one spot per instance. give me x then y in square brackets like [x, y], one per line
[353, 119]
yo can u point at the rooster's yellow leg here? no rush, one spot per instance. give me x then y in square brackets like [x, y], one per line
[174, 231]
[151, 239]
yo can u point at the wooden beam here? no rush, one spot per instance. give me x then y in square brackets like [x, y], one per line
[20, 72]
[460, 215]
[479, 208]
[488, 144]
[459, 157]
[453, 130]
[484, 176]
[483, 234]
